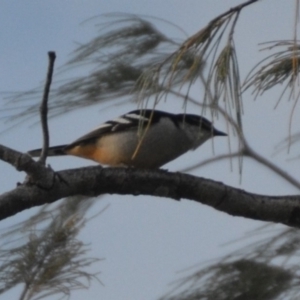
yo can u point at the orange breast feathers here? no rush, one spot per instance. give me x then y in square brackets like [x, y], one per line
[106, 150]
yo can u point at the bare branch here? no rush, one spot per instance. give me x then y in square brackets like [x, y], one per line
[94, 181]
[23, 162]
[44, 108]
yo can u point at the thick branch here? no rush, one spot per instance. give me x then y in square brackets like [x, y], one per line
[23, 162]
[94, 181]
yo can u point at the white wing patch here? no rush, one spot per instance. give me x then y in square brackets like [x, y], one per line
[104, 125]
[135, 116]
[121, 121]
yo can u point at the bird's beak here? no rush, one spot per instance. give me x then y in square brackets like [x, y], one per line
[219, 133]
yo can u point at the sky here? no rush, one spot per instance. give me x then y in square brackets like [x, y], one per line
[146, 242]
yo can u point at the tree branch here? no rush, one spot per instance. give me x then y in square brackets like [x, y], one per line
[235, 9]
[23, 162]
[95, 181]
[44, 107]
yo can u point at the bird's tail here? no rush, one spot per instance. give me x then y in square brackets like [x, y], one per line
[52, 151]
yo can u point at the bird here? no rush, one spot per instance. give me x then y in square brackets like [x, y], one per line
[145, 139]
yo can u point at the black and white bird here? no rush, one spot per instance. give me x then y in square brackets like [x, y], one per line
[141, 139]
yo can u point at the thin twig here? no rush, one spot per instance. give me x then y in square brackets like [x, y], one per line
[44, 107]
[237, 8]
[267, 163]
[24, 292]
[211, 160]
[246, 150]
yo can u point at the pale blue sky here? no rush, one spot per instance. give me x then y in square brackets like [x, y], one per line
[145, 241]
